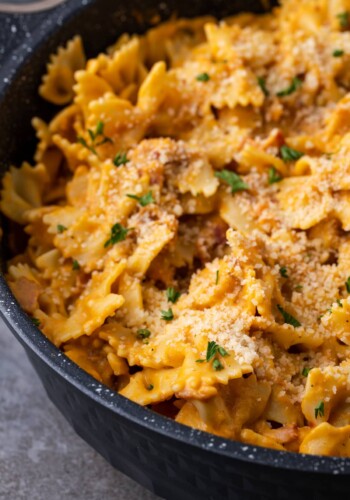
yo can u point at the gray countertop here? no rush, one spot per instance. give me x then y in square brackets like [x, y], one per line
[40, 455]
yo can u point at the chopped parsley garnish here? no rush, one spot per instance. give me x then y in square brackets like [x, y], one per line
[150, 387]
[339, 303]
[98, 131]
[232, 179]
[75, 265]
[172, 295]
[217, 277]
[338, 53]
[143, 333]
[83, 142]
[284, 272]
[144, 200]
[274, 175]
[118, 233]
[217, 365]
[61, 228]
[167, 315]
[343, 18]
[347, 284]
[203, 77]
[120, 159]
[35, 321]
[262, 85]
[298, 288]
[319, 410]
[94, 135]
[288, 318]
[305, 371]
[292, 87]
[290, 154]
[213, 349]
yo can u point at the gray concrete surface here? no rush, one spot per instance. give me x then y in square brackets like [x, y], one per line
[41, 458]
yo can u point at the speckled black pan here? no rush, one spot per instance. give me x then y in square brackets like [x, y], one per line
[172, 460]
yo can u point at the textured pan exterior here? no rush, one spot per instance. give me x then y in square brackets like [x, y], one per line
[172, 460]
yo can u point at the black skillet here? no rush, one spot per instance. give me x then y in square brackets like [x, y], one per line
[172, 460]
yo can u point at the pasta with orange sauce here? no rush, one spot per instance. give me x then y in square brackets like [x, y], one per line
[187, 218]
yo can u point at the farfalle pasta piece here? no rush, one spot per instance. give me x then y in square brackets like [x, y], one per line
[303, 201]
[226, 413]
[198, 177]
[325, 439]
[22, 191]
[90, 311]
[325, 389]
[156, 229]
[186, 381]
[88, 88]
[337, 320]
[57, 85]
[121, 68]
[153, 90]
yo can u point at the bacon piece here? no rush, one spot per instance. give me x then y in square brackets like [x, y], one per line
[26, 292]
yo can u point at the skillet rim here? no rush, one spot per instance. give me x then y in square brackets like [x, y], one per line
[31, 337]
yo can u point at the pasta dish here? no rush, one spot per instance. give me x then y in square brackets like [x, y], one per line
[183, 232]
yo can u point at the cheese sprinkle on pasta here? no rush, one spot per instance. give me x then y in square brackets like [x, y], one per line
[187, 219]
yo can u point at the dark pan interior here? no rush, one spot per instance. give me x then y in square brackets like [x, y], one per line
[99, 22]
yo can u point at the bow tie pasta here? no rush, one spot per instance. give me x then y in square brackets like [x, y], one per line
[186, 222]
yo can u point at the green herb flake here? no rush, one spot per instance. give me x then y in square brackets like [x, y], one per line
[99, 129]
[343, 18]
[288, 318]
[203, 77]
[284, 272]
[172, 295]
[233, 180]
[120, 159]
[200, 360]
[213, 348]
[222, 351]
[83, 142]
[305, 371]
[290, 154]
[337, 53]
[347, 284]
[298, 288]
[143, 333]
[274, 176]
[118, 233]
[319, 410]
[150, 387]
[339, 303]
[144, 200]
[99, 132]
[262, 85]
[75, 265]
[292, 87]
[36, 322]
[167, 315]
[217, 365]
[61, 229]
[217, 277]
